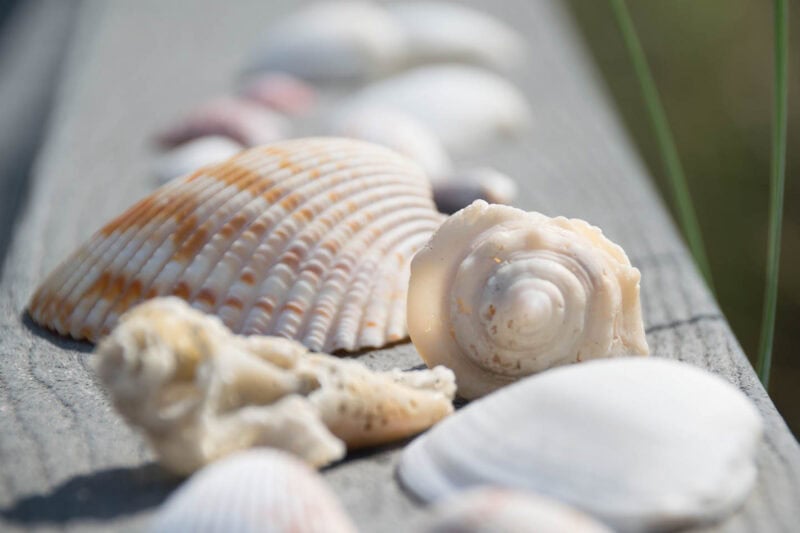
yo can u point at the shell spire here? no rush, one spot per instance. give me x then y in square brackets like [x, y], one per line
[308, 239]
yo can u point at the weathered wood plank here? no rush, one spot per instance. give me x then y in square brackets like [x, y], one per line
[68, 460]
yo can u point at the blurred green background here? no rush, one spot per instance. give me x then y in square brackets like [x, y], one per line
[713, 63]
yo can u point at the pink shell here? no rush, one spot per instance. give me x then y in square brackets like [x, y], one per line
[282, 92]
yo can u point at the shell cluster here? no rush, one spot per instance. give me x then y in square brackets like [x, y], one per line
[499, 293]
[308, 239]
[198, 392]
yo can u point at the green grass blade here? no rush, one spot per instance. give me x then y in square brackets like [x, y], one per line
[687, 218]
[777, 178]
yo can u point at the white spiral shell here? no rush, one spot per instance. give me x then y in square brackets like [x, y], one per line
[498, 294]
[255, 491]
[309, 239]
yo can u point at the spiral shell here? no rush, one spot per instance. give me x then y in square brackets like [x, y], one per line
[254, 491]
[498, 294]
[309, 239]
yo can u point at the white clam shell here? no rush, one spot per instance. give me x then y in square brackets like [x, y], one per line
[497, 510]
[192, 155]
[642, 443]
[499, 294]
[444, 31]
[309, 239]
[256, 491]
[343, 41]
[400, 132]
[463, 106]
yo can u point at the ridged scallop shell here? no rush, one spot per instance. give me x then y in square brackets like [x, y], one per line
[463, 106]
[280, 91]
[343, 41]
[641, 443]
[445, 31]
[308, 239]
[194, 154]
[247, 123]
[398, 131]
[497, 510]
[498, 294]
[255, 491]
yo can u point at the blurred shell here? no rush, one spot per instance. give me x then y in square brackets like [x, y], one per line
[192, 155]
[465, 186]
[198, 392]
[245, 122]
[443, 31]
[280, 91]
[463, 106]
[342, 41]
[641, 443]
[496, 510]
[309, 239]
[255, 491]
[498, 294]
[398, 131]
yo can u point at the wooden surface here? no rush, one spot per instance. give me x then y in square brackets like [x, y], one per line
[68, 461]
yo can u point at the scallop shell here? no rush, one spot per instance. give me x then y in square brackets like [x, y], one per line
[452, 101]
[641, 443]
[280, 91]
[256, 491]
[343, 41]
[496, 510]
[192, 155]
[444, 31]
[463, 187]
[498, 294]
[245, 122]
[309, 239]
[198, 392]
[398, 131]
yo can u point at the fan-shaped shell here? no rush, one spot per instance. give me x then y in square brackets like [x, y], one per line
[497, 510]
[642, 443]
[445, 31]
[255, 491]
[194, 154]
[463, 106]
[498, 294]
[309, 239]
[342, 41]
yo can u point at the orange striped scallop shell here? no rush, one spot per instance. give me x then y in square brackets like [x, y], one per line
[309, 239]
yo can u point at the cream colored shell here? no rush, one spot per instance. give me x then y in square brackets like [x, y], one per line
[309, 239]
[498, 294]
[254, 491]
[198, 392]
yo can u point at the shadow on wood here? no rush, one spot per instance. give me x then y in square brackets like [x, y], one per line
[61, 341]
[105, 494]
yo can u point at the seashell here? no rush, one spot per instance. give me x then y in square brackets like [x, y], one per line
[255, 491]
[498, 294]
[345, 41]
[494, 510]
[452, 101]
[280, 91]
[441, 32]
[199, 392]
[194, 154]
[308, 239]
[464, 187]
[398, 131]
[641, 443]
[245, 122]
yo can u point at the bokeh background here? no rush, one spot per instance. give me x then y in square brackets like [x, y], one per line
[713, 64]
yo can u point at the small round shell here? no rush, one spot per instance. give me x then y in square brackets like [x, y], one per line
[280, 91]
[309, 239]
[254, 491]
[465, 186]
[498, 294]
[192, 155]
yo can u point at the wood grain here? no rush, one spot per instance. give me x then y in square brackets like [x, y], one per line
[68, 461]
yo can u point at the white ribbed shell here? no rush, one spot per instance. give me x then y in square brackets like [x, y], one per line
[255, 491]
[308, 239]
[498, 294]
